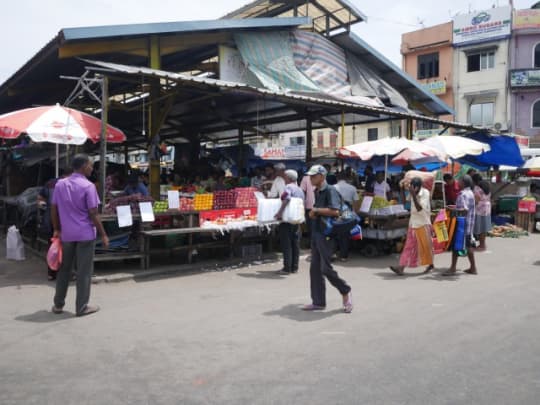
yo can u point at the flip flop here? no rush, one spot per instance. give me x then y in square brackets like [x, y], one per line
[469, 271]
[313, 307]
[396, 270]
[348, 305]
[90, 309]
[56, 310]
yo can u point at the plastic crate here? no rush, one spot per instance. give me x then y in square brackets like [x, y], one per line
[508, 203]
[249, 251]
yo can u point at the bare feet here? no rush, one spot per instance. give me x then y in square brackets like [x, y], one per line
[471, 271]
[449, 272]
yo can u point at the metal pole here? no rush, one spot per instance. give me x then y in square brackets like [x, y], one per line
[240, 164]
[103, 144]
[57, 161]
[309, 139]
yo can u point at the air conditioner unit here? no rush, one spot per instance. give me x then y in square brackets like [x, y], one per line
[497, 126]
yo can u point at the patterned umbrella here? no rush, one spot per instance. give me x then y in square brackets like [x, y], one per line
[56, 124]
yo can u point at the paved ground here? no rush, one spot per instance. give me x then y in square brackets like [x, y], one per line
[238, 337]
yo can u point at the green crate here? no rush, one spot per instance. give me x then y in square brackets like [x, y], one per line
[508, 204]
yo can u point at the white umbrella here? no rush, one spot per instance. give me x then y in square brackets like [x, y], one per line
[533, 163]
[389, 147]
[457, 146]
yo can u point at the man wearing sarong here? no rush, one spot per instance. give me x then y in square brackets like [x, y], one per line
[418, 250]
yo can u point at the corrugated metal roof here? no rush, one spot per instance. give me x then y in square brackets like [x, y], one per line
[391, 73]
[340, 13]
[111, 31]
[279, 95]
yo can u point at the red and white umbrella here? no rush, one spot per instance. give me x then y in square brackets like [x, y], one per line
[56, 124]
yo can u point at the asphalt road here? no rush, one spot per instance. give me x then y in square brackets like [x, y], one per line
[239, 337]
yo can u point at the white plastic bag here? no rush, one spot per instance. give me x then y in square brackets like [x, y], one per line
[294, 212]
[267, 209]
[14, 244]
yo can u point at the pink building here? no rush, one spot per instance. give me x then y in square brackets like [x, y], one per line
[428, 58]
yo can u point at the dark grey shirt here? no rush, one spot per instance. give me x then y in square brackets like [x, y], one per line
[326, 197]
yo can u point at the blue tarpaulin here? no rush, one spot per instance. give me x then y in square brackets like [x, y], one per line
[504, 151]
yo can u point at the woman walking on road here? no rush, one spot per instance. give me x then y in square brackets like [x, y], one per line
[418, 250]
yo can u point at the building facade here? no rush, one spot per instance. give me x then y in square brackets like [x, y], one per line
[481, 60]
[524, 75]
[428, 58]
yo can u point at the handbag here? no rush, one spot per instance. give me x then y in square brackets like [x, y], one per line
[343, 224]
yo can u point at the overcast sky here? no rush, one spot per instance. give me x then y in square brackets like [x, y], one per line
[27, 25]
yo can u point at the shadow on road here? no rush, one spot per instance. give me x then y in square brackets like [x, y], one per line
[45, 317]
[435, 275]
[268, 275]
[294, 312]
[537, 263]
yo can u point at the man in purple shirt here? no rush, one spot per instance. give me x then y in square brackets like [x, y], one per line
[74, 215]
[465, 201]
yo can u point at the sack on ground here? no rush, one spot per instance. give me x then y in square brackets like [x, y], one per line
[14, 244]
[294, 213]
[54, 255]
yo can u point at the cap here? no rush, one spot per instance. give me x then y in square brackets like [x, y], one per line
[280, 166]
[317, 169]
[291, 174]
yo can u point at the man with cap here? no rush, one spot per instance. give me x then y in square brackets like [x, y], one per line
[278, 186]
[327, 206]
[289, 234]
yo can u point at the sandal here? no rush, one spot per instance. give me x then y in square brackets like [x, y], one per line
[428, 269]
[469, 271]
[89, 309]
[347, 304]
[313, 307]
[57, 310]
[396, 270]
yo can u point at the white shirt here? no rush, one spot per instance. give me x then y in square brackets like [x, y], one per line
[381, 189]
[278, 187]
[420, 218]
[347, 191]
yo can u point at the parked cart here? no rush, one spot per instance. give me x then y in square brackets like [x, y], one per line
[382, 232]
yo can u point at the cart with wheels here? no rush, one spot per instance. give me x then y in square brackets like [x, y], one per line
[381, 233]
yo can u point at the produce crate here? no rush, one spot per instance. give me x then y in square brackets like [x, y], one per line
[508, 203]
[249, 251]
[525, 221]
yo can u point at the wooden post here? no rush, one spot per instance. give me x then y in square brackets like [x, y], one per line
[103, 140]
[154, 164]
[309, 140]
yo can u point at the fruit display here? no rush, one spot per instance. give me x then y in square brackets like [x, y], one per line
[186, 204]
[245, 197]
[161, 206]
[203, 202]
[224, 199]
[131, 200]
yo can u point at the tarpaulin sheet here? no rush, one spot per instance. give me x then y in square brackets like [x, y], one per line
[269, 56]
[322, 61]
[366, 83]
[504, 151]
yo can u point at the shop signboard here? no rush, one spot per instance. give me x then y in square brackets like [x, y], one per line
[482, 26]
[286, 152]
[525, 78]
[522, 141]
[526, 19]
[438, 87]
[426, 133]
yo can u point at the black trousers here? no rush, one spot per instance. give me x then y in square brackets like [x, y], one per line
[321, 267]
[343, 243]
[289, 239]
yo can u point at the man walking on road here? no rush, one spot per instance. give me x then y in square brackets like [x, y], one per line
[74, 215]
[327, 206]
[289, 234]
